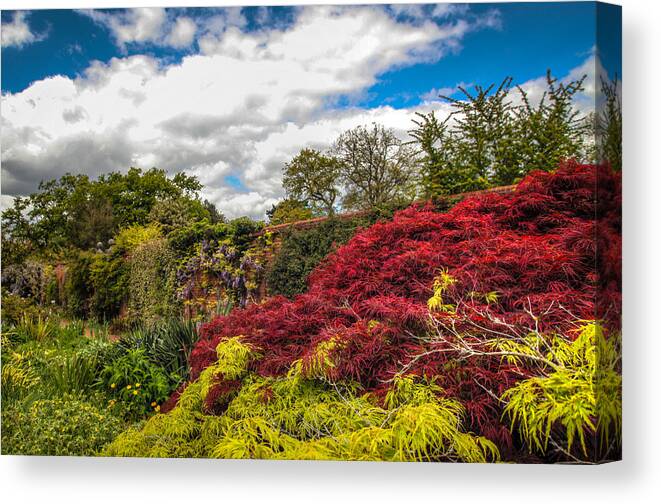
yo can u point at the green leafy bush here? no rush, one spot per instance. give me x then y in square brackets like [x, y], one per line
[38, 329]
[109, 279]
[77, 285]
[72, 374]
[289, 210]
[152, 283]
[303, 250]
[15, 307]
[174, 213]
[136, 383]
[61, 426]
[128, 239]
[238, 233]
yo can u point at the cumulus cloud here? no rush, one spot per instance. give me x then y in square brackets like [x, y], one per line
[139, 25]
[17, 32]
[147, 25]
[164, 27]
[183, 33]
[241, 107]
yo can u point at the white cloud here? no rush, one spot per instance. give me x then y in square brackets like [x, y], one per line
[183, 33]
[139, 25]
[6, 202]
[164, 27]
[17, 32]
[585, 99]
[242, 107]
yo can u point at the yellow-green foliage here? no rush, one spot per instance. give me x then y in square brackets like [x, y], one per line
[581, 390]
[37, 328]
[128, 239]
[233, 357]
[66, 425]
[18, 377]
[441, 285]
[322, 361]
[294, 417]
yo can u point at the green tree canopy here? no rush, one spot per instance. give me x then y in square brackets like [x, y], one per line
[176, 212]
[376, 167]
[74, 211]
[496, 134]
[313, 177]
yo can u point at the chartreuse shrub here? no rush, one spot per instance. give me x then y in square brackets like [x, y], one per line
[65, 425]
[576, 400]
[295, 417]
[129, 238]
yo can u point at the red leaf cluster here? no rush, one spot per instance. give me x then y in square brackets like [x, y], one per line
[551, 247]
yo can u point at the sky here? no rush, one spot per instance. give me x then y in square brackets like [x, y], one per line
[231, 94]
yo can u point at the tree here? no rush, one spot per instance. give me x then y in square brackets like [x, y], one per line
[74, 211]
[376, 167]
[313, 177]
[552, 130]
[491, 139]
[440, 173]
[288, 210]
[133, 194]
[173, 213]
[91, 222]
[215, 215]
[609, 125]
[485, 148]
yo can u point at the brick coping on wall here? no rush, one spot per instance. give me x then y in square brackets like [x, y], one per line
[307, 223]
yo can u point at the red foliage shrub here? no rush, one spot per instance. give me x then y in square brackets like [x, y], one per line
[551, 248]
[220, 395]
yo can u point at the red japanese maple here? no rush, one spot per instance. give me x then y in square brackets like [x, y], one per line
[551, 248]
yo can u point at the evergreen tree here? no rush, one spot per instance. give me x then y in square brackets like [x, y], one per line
[609, 125]
[552, 130]
[493, 139]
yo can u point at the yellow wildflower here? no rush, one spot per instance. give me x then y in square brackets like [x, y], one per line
[113, 385]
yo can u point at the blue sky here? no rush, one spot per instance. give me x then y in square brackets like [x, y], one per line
[128, 79]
